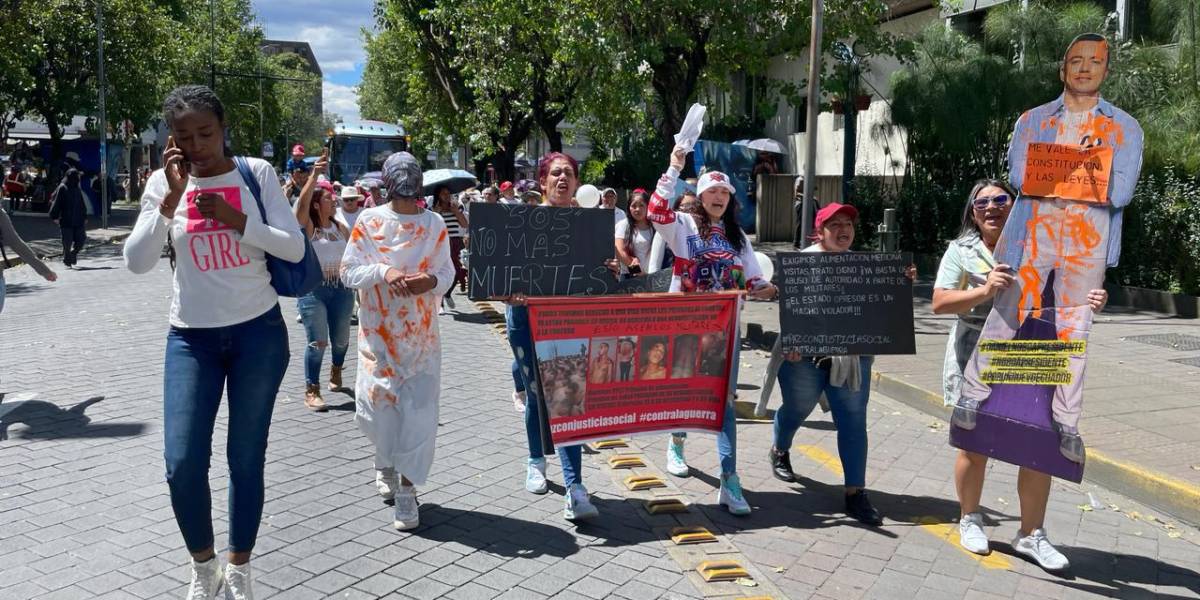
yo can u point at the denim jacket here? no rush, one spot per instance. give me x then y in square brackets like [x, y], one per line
[1041, 125]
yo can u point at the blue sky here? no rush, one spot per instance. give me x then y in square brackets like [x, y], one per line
[332, 28]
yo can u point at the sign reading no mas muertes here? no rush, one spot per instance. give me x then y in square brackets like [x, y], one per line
[840, 303]
[539, 251]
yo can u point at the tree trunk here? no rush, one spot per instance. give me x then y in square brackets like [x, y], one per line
[553, 135]
[54, 169]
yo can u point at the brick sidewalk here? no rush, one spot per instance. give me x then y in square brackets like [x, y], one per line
[1141, 416]
[86, 513]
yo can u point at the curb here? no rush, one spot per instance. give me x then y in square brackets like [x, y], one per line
[1143, 485]
[16, 261]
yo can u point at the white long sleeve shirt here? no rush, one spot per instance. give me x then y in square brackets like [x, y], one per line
[221, 275]
[701, 264]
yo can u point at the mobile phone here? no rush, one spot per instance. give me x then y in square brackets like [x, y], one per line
[635, 269]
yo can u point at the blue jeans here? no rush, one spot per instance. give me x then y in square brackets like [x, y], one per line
[247, 361]
[802, 383]
[727, 438]
[520, 337]
[518, 381]
[326, 315]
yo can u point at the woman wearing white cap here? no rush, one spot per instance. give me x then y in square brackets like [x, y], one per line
[351, 206]
[712, 254]
[399, 259]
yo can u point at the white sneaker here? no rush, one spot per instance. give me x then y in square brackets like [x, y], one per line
[535, 476]
[518, 399]
[237, 582]
[676, 465]
[971, 536]
[206, 579]
[386, 481]
[730, 496]
[408, 511]
[450, 302]
[1038, 547]
[579, 506]
[441, 310]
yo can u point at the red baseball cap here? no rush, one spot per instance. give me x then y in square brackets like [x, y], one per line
[298, 149]
[831, 209]
[507, 185]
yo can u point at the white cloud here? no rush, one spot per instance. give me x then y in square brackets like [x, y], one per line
[341, 100]
[336, 49]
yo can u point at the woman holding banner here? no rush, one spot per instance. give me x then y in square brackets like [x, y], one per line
[558, 175]
[712, 254]
[844, 380]
[968, 280]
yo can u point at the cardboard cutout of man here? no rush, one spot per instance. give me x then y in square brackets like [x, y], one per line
[1076, 162]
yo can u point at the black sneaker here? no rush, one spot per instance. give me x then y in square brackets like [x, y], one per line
[860, 508]
[781, 466]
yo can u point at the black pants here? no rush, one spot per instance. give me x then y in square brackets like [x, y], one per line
[72, 241]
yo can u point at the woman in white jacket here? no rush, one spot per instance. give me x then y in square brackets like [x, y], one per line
[712, 254]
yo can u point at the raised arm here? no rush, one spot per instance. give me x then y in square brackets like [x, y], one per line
[301, 207]
[164, 190]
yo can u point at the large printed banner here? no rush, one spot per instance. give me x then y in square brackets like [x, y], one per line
[610, 367]
[840, 303]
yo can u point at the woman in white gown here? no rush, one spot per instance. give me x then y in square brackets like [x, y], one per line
[399, 260]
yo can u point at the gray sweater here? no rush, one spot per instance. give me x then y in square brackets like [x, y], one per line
[10, 238]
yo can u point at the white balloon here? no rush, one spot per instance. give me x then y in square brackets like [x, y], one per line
[588, 196]
[765, 265]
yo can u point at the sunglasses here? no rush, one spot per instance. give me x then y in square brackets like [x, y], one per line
[982, 202]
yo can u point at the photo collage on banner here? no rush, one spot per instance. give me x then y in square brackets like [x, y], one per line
[609, 367]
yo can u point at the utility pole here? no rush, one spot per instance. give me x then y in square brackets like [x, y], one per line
[810, 138]
[1192, 30]
[103, 115]
[212, 47]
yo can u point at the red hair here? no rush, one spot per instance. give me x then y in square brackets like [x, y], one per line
[547, 160]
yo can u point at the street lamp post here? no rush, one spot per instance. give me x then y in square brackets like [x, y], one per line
[810, 137]
[103, 115]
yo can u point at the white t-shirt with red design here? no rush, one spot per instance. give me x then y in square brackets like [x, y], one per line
[221, 275]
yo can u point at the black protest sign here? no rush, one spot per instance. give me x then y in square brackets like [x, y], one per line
[839, 303]
[539, 251]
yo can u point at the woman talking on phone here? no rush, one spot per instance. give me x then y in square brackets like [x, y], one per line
[226, 331]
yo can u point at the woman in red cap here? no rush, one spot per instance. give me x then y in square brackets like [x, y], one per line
[712, 254]
[844, 380]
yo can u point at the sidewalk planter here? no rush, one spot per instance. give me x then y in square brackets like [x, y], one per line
[1180, 305]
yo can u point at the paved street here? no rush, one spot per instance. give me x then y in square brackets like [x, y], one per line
[85, 513]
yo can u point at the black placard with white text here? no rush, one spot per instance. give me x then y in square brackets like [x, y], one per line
[840, 303]
[539, 251]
